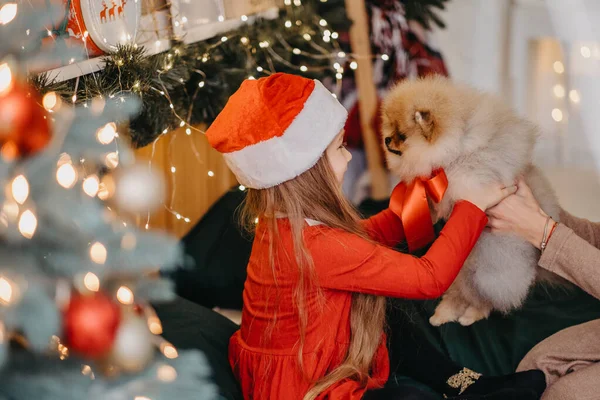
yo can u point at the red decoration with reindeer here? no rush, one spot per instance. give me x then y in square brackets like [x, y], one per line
[100, 24]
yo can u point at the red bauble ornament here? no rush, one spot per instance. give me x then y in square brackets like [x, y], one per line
[90, 324]
[24, 124]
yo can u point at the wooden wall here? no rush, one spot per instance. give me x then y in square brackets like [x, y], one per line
[190, 191]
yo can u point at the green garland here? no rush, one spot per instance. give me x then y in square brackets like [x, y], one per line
[190, 84]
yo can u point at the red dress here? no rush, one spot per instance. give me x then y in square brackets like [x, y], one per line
[267, 368]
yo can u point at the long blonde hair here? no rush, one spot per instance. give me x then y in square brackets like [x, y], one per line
[316, 195]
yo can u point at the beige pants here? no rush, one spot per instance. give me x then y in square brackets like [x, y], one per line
[571, 361]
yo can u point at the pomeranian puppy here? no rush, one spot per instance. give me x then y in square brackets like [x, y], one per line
[433, 123]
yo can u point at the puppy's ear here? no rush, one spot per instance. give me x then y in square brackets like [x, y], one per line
[424, 119]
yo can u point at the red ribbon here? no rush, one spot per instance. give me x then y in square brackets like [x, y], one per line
[409, 202]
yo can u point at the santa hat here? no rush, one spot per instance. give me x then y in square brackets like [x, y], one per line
[274, 129]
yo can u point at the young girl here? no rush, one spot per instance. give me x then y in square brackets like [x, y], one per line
[314, 299]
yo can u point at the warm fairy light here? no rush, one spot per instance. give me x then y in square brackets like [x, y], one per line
[224, 39]
[87, 371]
[326, 39]
[66, 175]
[10, 209]
[20, 189]
[182, 124]
[574, 96]
[559, 68]
[155, 326]
[559, 91]
[341, 54]
[354, 65]
[327, 32]
[128, 241]
[103, 191]
[211, 174]
[201, 84]
[98, 253]
[244, 18]
[168, 350]
[259, 69]
[287, 2]
[6, 290]
[244, 40]
[166, 373]
[288, 24]
[256, 220]
[27, 224]
[188, 131]
[323, 22]
[50, 101]
[303, 68]
[91, 282]
[173, 169]
[5, 78]
[8, 12]
[263, 45]
[297, 3]
[141, 398]
[337, 66]
[296, 51]
[74, 98]
[221, 18]
[339, 76]
[242, 187]
[385, 57]
[557, 115]
[125, 295]
[112, 160]
[306, 36]
[107, 133]
[586, 52]
[91, 185]
[251, 78]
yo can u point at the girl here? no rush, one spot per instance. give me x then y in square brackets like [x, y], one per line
[314, 299]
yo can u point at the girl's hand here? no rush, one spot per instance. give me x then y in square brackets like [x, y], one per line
[519, 214]
[489, 196]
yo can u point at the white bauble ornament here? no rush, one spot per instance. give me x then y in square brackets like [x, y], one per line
[133, 348]
[139, 189]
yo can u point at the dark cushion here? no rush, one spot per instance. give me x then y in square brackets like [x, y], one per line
[218, 252]
[191, 326]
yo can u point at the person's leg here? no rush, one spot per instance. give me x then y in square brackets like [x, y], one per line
[412, 355]
[564, 352]
[583, 384]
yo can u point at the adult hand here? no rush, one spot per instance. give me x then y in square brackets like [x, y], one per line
[489, 196]
[519, 214]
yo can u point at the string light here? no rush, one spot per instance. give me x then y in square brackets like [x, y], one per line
[574, 96]
[306, 36]
[297, 3]
[128, 242]
[154, 325]
[91, 282]
[287, 2]
[182, 124]
[224, 39]
[559, 91]
[201, 84]
[244, 40]
[557, 115]
[303, 68]
[168, 350]
[323, 22]
[125, 295]
[27, 224]
[335, 35]
[559, 68]
[5, 78]
[141, 398]
[188, 131]
[353, 65]
[8, 12]
[296, 51]
[20, 189]
[264, 44]
[112, 160]
[166, 373]
[91, 185]
[87, 371]
[385, 57]
[244, 18]
[288, 24]
[221, 18]
[341, 54]
[50, 101]
[66, 175]
[211, 174]
[586, 52]
[242, 187]
[173, 169]
[6, 291]
[98, 253]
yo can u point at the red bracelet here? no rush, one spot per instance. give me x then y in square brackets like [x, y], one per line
[551, 231]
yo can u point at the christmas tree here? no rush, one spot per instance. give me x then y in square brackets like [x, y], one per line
[75, 315]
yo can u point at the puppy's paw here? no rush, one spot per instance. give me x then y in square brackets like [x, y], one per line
[473, 314]
[438, 320]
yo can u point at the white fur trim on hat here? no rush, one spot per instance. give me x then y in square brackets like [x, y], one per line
[279, 159]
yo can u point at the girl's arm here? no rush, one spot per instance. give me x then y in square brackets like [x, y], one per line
[587, 230]
[346, 262]
[385, 228]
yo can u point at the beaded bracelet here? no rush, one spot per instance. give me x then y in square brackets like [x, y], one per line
[545, 237]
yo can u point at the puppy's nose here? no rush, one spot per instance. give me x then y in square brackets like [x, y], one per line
[388, 140]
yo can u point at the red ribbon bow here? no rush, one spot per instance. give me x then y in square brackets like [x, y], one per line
[409, 202]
